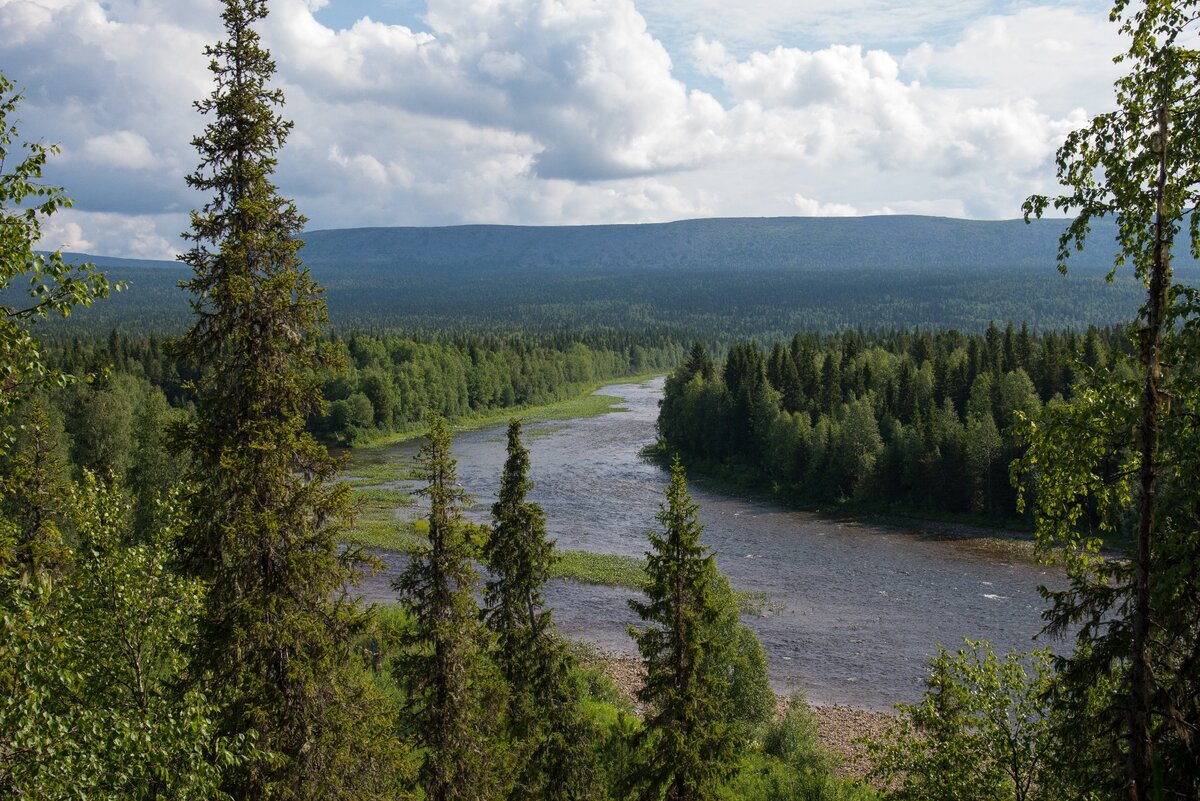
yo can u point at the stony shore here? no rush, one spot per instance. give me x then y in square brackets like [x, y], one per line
[837, 726]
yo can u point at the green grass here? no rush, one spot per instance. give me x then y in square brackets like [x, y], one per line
[614, 570]
[378, 497]
[575, 408]
[756, 603]
[607, 569]
[540, 431]
[378, 525]
[585, 406]
[371, 470]
[400, 537]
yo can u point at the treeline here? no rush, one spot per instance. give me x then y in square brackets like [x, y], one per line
[922, 421]
[382, 383]
[391, 382]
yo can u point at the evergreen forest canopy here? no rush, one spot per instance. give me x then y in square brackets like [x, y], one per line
[913, 422]
[712, 280]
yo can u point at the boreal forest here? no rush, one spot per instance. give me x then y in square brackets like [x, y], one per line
[242, 553]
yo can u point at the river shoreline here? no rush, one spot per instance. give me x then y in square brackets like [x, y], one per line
[1010, 536]
[587, 403]
[1006, 535]
[853, 609]
[840, 727]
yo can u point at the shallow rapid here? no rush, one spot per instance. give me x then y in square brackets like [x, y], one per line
[855, 610]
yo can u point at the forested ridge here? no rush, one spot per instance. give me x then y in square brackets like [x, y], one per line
[903, 421]
[767, 292]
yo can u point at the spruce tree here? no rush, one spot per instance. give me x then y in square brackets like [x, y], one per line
[548, 732]
[688, 746]
[698, 362]
[442, 665]
[519, 557]
[278, 626]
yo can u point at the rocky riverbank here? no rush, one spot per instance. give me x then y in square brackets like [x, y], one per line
[838, 727]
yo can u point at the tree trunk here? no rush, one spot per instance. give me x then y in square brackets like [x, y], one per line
[1140, 674]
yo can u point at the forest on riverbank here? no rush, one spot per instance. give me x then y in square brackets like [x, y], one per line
[909, 422]
[381, 385]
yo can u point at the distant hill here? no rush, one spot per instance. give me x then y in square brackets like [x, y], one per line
[714, 278]
[799, 243]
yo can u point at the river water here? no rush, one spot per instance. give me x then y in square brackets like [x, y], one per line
[855, 610]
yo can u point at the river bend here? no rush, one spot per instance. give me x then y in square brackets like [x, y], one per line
[857, 608]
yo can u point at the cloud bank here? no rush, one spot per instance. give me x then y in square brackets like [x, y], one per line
[560, 112]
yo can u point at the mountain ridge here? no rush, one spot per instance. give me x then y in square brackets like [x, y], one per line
[722, 277]
[718, 243]
[706, 243]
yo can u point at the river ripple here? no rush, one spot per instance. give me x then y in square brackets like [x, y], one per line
[860, 607]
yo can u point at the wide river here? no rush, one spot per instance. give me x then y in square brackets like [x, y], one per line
[856, 609]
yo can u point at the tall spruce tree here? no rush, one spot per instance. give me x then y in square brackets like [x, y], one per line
[443, 662]
[278, 626]
[548, 732]
[688, 746]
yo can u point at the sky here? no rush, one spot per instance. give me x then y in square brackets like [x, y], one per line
[563, 112]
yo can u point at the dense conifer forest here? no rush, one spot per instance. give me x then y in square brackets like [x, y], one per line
[718, 300]
[904, 421]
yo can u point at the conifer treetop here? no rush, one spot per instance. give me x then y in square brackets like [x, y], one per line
[691, 745]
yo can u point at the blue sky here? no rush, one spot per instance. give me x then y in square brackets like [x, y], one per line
[344, 13]
[548, 112]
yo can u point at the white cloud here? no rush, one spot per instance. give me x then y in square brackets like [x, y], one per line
[808, 207]
[62, 234]
[1059, 57]
[791, 77]
[842, 104]
[581, 78]
[106, 233]
[568, 111]
[502, 66]
[124, 149]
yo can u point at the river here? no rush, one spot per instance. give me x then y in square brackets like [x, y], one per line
[856, 610]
